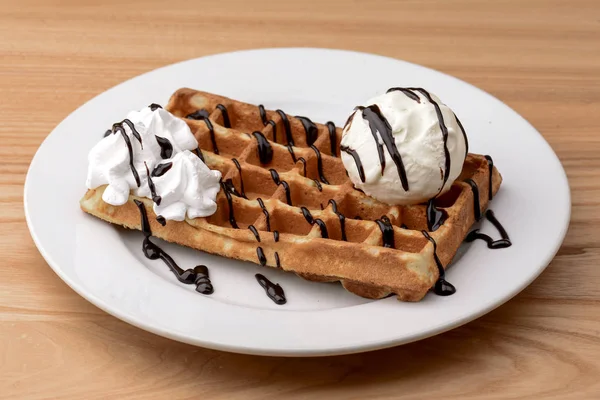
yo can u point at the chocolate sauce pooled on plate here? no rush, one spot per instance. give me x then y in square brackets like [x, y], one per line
[225, 114]
[357, 161]
[273, 291]
[239, 168]
[265, 151]
[476, 205]
[230, 203]
[161, 169]
[435, 216]
[380, 128]
[341, 217]
[275, 177]
[166, 148]
[491, 243]
[197, 276]
[309, 218]
[441, 287]
[319, 164]
[287, 127]
[387, 231]
[310, 128]
[332, 138]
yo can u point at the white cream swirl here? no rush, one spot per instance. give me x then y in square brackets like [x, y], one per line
[188, 187]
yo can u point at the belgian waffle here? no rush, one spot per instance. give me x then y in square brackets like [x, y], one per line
[294, 207]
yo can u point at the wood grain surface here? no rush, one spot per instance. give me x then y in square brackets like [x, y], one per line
[540, 57]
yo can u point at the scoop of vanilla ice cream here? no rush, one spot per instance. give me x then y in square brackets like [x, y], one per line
[414, 143]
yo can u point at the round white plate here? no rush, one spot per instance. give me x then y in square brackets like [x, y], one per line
[105, 264]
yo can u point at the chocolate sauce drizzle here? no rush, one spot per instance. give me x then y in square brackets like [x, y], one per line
[332, 138]
[291, 151]
[435, 216]
[408, 92]
[441, 286]
[202, 115]
[278, 181]
[261, 203]
[462, 129]
[274, 126]
[119, 127]
[161, 220]
[230, 203]
[107, 133]
[381, 130]
[319, 186]
[490, 168]
[199, 153]
[265, 151]
[357, 161]
[155, 197]
[277, 261]
[491, 243]
[254, 232]
[276, 236]
[229, 186]
[166, 148]
[387, 232]
[263, 114]
[262, 259]
[319, 164]
[309, 218]
[239, 168]
[476, 205]
[154, 106]
[161, 169]
[197, 276]
[303, 161]
[310, 128]
[341, 217]
[287, 127]
[273, 291]
[225, 114]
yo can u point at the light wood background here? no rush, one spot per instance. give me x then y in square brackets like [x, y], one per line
[540, 57]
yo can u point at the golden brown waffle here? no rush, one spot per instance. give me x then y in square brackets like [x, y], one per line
[282, 236]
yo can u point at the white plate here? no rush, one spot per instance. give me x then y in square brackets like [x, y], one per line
[105, 264]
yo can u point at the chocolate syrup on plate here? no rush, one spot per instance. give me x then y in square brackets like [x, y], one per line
[275, 177]
[225, 114]
[161, 169]
[287, 127]
[441, 286]
[319, 164]
[166, 148]
[435, 216]
[491, 243]
[310, 128]
[309, 218]
[239, 168]
[387, 231]
[273, 291]
[261, 203]
[197, 276]
[357, 161]
[341, 217]
[230, 203]
[476, 205]
[265, 151]
[332, 138]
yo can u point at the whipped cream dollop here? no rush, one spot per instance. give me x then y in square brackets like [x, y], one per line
[181, 185]
[403, 147]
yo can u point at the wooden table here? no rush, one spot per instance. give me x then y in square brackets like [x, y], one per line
[540, 57]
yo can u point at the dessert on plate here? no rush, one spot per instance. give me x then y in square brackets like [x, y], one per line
[381, 205]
